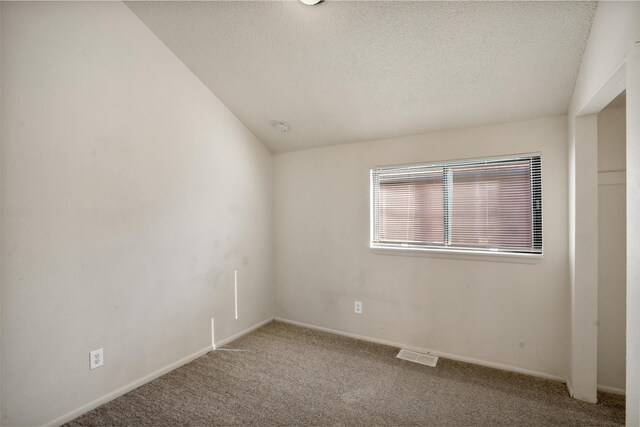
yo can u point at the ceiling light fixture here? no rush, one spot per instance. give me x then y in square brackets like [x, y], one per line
[311, 2]
[282, 127]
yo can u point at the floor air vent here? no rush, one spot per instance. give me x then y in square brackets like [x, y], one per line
[412, 356]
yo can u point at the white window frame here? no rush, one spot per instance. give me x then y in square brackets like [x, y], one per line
[412, 249]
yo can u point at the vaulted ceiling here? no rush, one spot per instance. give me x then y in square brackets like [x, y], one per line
[342, 72]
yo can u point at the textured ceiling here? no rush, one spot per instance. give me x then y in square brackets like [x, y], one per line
[342, 72]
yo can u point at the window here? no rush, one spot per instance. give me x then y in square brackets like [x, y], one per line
[482, 205]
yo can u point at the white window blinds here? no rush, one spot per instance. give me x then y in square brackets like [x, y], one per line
[479, 205]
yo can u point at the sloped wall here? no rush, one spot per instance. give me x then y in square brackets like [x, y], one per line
[130, 195]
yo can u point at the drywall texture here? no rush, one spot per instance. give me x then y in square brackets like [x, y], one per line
[612, 252]
[583, 357]
[633, 234]
[130, 195]
[615, 29]
[488, 309]
[612, 146]
[0, 219]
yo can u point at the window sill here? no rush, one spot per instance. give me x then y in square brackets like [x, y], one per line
[460, 254]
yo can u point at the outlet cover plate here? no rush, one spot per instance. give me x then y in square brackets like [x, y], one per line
[358, 307]
[96, 358]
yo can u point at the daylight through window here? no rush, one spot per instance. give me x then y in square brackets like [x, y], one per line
[485, 205]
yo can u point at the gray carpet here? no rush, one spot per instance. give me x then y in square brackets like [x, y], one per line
[286, 375]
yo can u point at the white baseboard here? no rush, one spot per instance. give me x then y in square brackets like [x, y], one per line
[612, 390]
[148, 378]
[569, 388]
[241, 333]
[127, 388]
[603, 388]
[427, 351]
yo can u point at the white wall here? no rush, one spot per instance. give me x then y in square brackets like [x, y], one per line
[615, 29]
[0, 218]
[507, 313]
[130, 193]
[612, 145]
[583, 257]
[633, 232]
[612, 252]
[1, 213]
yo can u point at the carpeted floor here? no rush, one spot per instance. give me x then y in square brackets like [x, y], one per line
[286, 375]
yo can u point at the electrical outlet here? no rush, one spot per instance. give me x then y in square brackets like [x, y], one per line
[358, 307]
[96, 358]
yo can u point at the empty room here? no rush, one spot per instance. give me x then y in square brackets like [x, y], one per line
[319, 213]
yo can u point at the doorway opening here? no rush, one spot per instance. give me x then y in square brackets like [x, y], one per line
[612, 249]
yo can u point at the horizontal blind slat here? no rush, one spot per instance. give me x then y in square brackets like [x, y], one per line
[474, 204]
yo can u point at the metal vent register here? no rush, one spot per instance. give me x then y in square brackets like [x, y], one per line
[412, 356]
